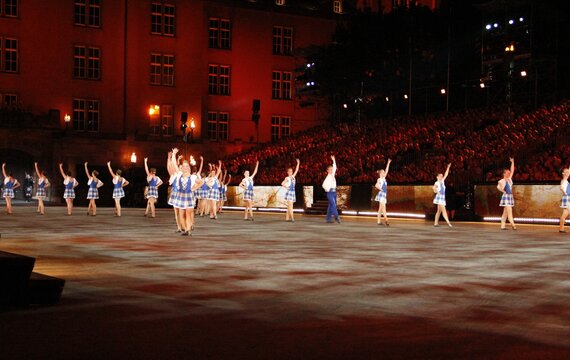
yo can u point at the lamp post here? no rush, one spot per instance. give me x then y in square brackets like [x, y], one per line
[67, 120]
[133, 163]
[192, 127]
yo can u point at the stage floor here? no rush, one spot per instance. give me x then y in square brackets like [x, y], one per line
[275, 290]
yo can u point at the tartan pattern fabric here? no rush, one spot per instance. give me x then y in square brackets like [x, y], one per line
[507, 200]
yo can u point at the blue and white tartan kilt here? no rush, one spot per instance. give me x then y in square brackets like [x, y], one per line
[69, 194]
[172, 198]
[381, 197]
[203, 193]
[507, 200]
[41, 193]
[92, 194]
[223, 195]
[183, 200]
[8, 193]
[565, 203]
[213, 194]
[248, 194]
[439, 199]
[118, 193]
[290, 196]
[152, 192]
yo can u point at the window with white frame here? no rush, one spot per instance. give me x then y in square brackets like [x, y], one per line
[282, 40]
[219, 79]
[219, 33]
[86, 114]
[8, 55]
[337, 6]
[162, 69]
[167, 120]
[86, 62]
[218, 125]
[9, 8]
[280, 127]
[281, 85]
[87, 13]
[163, 19]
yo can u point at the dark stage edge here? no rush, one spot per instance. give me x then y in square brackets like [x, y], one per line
[274, 290]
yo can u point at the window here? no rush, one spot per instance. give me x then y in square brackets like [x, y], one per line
[87, 13]
[9, 8]
[86, 63]
[218, 79]
[163, 19]
[282, 40]
[280, 2]
[337, 6]
[8, 55]
[219, 33]
[162, 123]
[218, 125]
[162, 69]
[8, 101]
[280, 127]
[281, 85]
[86, 115]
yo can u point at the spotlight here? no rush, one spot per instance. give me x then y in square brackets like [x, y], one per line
[406, 96]
[495, 25]
[521, 19]
[488, 27]
[387, 99]
[482, 85]
[312, 83]
[523, 73]
[345, 106]
[511, 22]
[308, 65]
[442, 91]
[308, 84]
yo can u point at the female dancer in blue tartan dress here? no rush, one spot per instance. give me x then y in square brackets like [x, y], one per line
[119, 183]
[93, 193]
[247, 185]
[565, 203]
[70, 185]
[43, 183]
[10, 184]
[439, 200]
[505, 186]
[153, 183]
[382, 196]
[184, 200]
[290, 197]
[174, 171]
[214, 185]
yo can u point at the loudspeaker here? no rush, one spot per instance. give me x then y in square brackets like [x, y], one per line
[256, 105]
[183, 117]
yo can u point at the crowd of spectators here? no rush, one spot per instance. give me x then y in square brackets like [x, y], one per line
[478, 144]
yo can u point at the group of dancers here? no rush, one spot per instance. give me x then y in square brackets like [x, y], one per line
[192, 191]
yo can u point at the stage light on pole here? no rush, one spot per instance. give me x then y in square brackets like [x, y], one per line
[442, 91]
[523, 73]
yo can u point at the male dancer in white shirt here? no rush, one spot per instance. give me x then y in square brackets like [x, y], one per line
[329, 185]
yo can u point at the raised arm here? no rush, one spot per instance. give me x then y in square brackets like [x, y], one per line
[87, 171]
[4, 170]
[37, 170]
[446, 171]
[296, 168]
[199, 173]
[219, 169]
[224, 176]
[512, 160]
[146, 167]
[256, 167]
[110, 169]
[333, 164]
[387, 167]
[61, 170]
[229, 180]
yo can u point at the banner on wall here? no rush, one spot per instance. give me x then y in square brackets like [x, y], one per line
[531, 201]
[268, 196]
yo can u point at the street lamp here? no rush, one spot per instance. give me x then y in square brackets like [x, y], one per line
[67, 119]
[133, 159]
[192, 127]
[153, 109]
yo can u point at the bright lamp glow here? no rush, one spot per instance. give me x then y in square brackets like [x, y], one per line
[442, 91]
[488, 27]
[523, 73]
[406, 96]
[511, 21]
[67, 118]
[133, 158]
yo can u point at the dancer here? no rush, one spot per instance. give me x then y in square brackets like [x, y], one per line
[565, 203]
[381, 197]
[153, 183]
[203, 194]
[10, 184]
[70, 185]
[43, 183]
[439, 200]
[329, 185]
[505, 186]
[247, 185]
[224, 190]
[174, 172]
[214, 185]
[119, 183]
[93, 193]
[184, 200]
[290, 197]
[195, 177]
